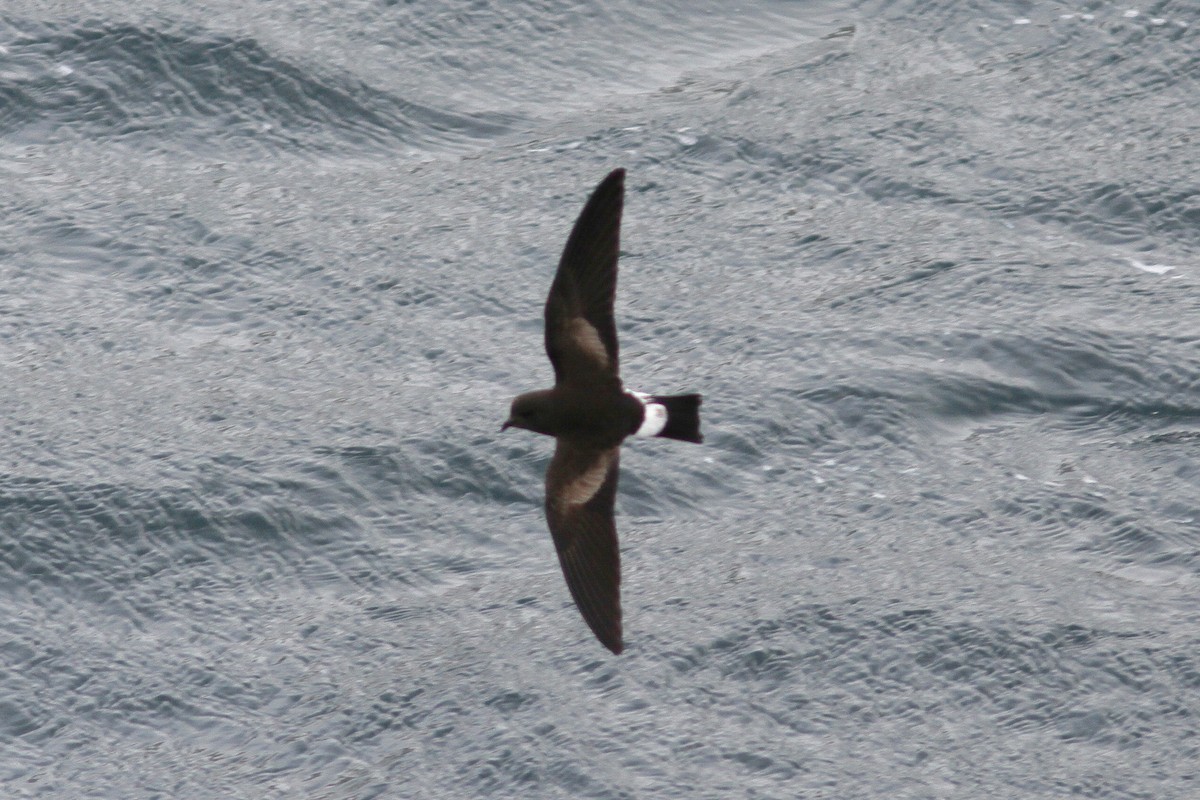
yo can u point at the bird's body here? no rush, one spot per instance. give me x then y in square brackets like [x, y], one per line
[590, 413]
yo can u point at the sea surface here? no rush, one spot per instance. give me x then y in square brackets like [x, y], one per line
[270, 273]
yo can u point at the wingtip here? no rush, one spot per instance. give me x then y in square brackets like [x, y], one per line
[607, 629]
[612, 640]
[616, 179]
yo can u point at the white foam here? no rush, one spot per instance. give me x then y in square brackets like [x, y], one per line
[1155, 269]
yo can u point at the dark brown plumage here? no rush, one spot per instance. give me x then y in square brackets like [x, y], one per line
[590, 413]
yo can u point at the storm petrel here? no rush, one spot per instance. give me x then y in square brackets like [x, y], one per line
[589, 412]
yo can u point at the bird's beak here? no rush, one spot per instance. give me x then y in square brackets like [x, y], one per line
[506, 426]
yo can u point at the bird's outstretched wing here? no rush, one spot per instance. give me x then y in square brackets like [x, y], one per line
[581, 337]
[581, 487]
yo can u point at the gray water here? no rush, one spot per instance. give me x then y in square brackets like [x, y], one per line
[270, 273]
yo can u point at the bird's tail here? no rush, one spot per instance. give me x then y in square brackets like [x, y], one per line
[683, 417]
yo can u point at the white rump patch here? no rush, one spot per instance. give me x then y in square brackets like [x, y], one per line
[588, 340]
[655, 418]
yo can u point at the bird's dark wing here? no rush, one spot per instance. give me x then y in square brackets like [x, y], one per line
[581, 337]
[581, 487]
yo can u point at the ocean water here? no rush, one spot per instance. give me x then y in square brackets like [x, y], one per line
[271, 272]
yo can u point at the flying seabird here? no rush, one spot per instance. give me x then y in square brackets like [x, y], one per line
[589, 412]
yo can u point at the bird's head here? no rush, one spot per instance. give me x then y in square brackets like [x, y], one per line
[531, 411]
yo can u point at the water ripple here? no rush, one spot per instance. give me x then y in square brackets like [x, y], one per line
[196, 91]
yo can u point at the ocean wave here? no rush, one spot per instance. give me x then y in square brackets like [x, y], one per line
[194, 90]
